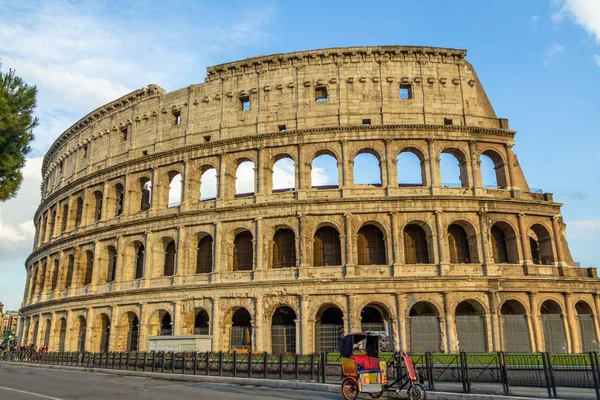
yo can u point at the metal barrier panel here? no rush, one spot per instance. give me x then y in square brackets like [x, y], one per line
[328, 337]
[526, 370]
[516, 333]
[572, 370]
[471, 333]
[425, 334]
[283, 339]
[241, 337]
[587, 332]
[555, 340]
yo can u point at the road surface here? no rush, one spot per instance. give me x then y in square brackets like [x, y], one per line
[26, 383]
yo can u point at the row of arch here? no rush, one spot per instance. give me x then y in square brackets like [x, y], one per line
[325, 173]
[371, 249]
[424, 328]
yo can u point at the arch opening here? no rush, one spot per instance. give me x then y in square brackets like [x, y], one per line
[175, 190]
[416, 245]
[327, 247]
[208, 184]
[458, 243]
[367, 169]
[170, 254]
[453, 169]
[139, 260]
[555, 339]
[284, 249]
[587, 327]
[97, 205]
[283, 331]
[371, 246]
[493, 175]
[410, 169]
[201, 323]
[515, 327]
[329, 327]
[504, 244]
[540, 243]
[471, 327]
[241, 330]
[324, 172]
[111, 270]
[146, 194]
[204, 255]
[284, 176]
[425, 332]
[243, 252]
[245, 179]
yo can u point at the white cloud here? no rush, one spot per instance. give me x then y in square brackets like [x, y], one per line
[597, 59]
[585, 13]
[244, 182]
[175, 191]
[208, 184]
[534, 18]
[550, 55]
[584, 229]
[283, 174]
[319, 177]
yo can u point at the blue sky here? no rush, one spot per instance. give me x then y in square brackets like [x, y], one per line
[539, 62]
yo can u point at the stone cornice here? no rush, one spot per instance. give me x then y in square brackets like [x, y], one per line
[250, 138]
[313, 56]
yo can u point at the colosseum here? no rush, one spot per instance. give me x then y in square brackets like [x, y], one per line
[148, 229]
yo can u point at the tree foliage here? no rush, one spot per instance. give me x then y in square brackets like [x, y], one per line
[17, 102]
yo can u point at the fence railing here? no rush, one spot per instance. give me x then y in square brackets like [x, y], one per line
[507, 370]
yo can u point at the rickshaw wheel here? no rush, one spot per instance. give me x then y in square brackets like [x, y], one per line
[376, 395]
[416, 392]
[349, 389]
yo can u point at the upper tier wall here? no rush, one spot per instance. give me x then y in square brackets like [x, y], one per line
[362, 84]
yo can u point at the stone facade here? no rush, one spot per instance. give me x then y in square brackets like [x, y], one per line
[290, 270]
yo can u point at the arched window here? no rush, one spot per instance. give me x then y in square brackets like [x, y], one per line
[244, 179]
[555, 339]
[65, 217]
[204, 260]
[201, 323]
[146, 198]
[425, 333]
[410, 169]
[89, 267]
[169, 265]
[329, 327]
[139, 261]
[70, 268]
[208, 184]
[97, 206]
[470, 327]
[133, 333]
[283, 175]
[241, 330]
[166, 325]
[119, 199]
[459, 245]
[327, 247]
[54, 276]
[283, 331]
[174, 191]
[515, 327]
[541, 245]
[284, 248]
[492, 170]
[243, 254]
[453, 169]
[587, 328]
[44, 225]
[111, 270]
[52, 223]
[499, 250]
[79, 331]
[371, 246]
[371, 319]
[415, 245]
[324, 172]
[367, 170]
[42, 277]
[61, 330]
[79, 212]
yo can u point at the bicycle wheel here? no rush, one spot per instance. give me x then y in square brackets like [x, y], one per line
[416, 392]
[349, 389]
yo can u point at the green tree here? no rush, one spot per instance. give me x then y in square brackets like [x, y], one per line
[17, 102]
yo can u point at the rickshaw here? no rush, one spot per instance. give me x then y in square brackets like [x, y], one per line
[365, 373]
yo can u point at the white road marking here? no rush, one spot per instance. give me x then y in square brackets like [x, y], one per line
[30, 393]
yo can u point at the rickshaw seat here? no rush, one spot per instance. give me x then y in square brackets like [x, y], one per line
[365, 362]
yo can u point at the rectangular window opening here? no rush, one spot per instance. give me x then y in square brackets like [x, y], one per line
[145, 152]
[448, 121]
[282, 128]
[85, 151]
[176, 117]
[321, 94]
[245, 101]
[123, 133]
[405, 92]
[366, 122]
[207, 138]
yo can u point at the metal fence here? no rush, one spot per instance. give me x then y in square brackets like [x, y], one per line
[505, 371]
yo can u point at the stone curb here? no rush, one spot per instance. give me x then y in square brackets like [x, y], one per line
[273, 383]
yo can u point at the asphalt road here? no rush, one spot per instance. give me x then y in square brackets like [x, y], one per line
[25, 383]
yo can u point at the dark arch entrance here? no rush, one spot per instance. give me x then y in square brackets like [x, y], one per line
[283, 331]
[555, 340]
[133, 334]
[201, 323]
[241, 330]
[329, 327]
[587, 328]
[470, 327]
[425, 333]
[515, 327]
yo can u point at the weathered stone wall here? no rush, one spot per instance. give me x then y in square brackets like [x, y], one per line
[76, 283]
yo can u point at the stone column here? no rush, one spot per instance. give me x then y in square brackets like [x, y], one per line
[68, 331]
[39, 338]
[143, 328]
[303, 171]
[572, 323]
[105, 201]
[181, 256]
[444, 262]
[434, 167]
[558, 242]
[536, 322]
[215, 325]
[509, 162]
[259, 170]
[397, 245]
[353, 324]
[401, 342]
[346, 174]
[121, 265]
[156, 193]
[452, 339]
[178, 319]
[494, 321]
[304, 343]
[114, 326]
[89, 331]
[525, 249]
[222, 193]
[185, 181]
[148, 259]
[259, 325]
[258, 249]
[96, 267]
[390, 179]
[597, 315]
[301, 244]
[349, 245]
[475, 162]
[52, 343]
[490, 268]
